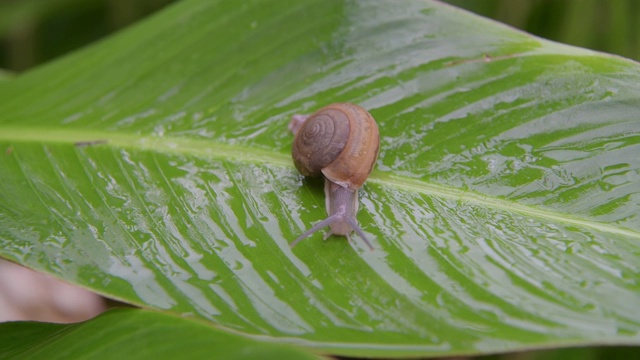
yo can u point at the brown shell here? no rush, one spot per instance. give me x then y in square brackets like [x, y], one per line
[340, 141]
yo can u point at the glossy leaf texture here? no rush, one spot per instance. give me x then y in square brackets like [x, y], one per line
[134, 334]
[154, 168]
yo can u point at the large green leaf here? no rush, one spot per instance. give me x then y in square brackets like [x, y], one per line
[504, 206]
[133, 334]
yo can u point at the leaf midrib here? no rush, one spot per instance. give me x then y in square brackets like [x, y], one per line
[162, 144]
[242, 153]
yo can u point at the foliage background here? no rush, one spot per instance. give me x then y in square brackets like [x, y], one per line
[36, 31]
[609, 26]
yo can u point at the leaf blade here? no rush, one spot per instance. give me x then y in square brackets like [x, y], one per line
[136, 334]
[490, 178]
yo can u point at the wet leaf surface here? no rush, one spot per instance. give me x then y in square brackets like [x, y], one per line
[154, 168]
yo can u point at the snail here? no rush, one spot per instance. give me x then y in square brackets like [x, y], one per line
[340, 142]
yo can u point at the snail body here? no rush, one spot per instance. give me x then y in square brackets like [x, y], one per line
[340, 142]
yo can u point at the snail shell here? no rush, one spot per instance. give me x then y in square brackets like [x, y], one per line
[340, 142]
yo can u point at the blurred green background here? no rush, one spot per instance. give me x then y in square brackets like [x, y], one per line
[36, 31]
[611, 26]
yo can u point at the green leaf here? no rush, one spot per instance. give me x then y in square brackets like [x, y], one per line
[5, 75]
[154, 168]
[134, 334]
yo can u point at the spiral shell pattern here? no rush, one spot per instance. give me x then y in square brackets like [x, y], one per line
[340, 141]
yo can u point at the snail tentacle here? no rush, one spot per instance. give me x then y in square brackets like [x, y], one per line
[334, 219]
[315, 228]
